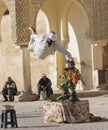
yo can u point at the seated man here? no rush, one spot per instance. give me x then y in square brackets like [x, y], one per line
[9, 89]
[44, 84]
[44, 45]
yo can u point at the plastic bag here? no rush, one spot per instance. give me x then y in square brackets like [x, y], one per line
[43, 95]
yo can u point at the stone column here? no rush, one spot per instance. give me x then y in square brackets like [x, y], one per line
[25, 58]
[27, 95]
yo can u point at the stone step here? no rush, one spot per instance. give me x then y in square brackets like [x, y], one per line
[80, 94]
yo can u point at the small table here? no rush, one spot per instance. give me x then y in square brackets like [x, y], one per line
[76, 111]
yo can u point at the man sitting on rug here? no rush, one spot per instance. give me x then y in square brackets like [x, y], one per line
[44, 84]
[45, 44]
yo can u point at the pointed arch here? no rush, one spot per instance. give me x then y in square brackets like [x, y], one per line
[42, 23]
[3, 9]
[74, 32]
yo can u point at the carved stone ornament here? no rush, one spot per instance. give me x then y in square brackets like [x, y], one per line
[97, 11]
[23, 14]
[21, 18]
[38, 2]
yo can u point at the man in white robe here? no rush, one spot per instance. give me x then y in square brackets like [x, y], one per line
[46, 44]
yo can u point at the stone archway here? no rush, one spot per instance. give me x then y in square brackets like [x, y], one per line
[19, 23]
[75, 29]
[65, 21]
[48, 64]
[9, 53]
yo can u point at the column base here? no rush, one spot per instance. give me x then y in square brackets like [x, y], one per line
[28, 97]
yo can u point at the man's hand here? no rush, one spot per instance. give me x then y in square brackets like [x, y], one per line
[71, 62]
[44, 88]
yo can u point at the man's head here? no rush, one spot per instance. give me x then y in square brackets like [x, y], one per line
[44, 76]
[52, 37]
[9, 78]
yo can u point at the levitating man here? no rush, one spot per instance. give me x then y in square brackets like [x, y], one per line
[44, 45]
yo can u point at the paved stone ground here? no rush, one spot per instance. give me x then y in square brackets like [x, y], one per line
[30, 116]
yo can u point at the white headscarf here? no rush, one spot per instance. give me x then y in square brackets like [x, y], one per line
[53, 36]
[44, 75]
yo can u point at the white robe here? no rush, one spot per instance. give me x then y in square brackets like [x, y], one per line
[38, 44]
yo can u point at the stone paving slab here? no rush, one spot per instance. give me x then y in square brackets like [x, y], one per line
[30, 116]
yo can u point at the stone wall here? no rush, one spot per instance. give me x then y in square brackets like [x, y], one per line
[10, 64]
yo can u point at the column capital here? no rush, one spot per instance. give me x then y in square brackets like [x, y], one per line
[101, 43]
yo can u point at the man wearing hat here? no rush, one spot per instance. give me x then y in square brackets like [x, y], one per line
[44, 84]
[46, 44]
